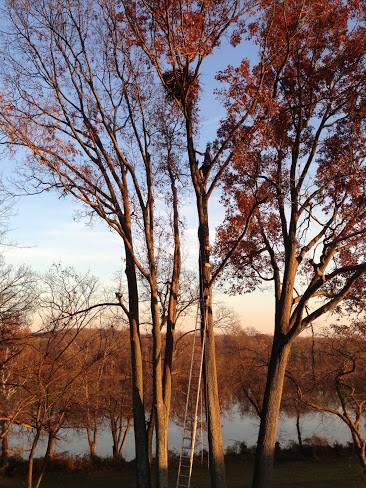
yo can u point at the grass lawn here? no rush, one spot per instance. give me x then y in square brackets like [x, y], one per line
[333, 474]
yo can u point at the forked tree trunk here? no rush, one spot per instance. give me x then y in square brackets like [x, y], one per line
[31, 459]
[48, 456]
[92, 443]
[93, 449]
[118, 442]
[360, 449]
[263, 468]
[216, 451]
[124, 438]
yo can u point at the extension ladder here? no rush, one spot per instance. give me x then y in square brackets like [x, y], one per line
[191, 409]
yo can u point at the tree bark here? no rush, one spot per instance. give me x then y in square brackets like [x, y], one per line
[263, 469]
[93, 449]
[92, 442]
[216, 451]
[142, 460]
[298, 430]
[143, 478]
[172, 304]
[31, 459]
[49, 455]
[124, 437]
[161, 428]
[150, 431]
[4, 440]
[118, 442]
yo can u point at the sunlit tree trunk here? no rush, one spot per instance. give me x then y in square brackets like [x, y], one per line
[138, 405]
[92, 442]
[31, 459]
[270, 414]
[172, 304]
[216, 451]
[161, 427]
[48, 456]
[119, 438]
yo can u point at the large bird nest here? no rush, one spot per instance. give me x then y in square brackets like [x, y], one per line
[180, 85]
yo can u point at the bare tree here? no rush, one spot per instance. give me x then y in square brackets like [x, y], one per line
[97, 133]
[176, 38]
[18, 299]
[337, 385]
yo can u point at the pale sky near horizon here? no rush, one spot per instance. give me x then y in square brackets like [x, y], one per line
[45, 229]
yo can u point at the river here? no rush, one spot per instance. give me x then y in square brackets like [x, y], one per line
[235, 427]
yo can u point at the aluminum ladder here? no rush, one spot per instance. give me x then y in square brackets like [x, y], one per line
[189, 432]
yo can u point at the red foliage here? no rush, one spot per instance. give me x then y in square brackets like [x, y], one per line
[302, 152]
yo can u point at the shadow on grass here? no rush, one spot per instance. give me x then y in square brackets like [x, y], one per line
[335, 473]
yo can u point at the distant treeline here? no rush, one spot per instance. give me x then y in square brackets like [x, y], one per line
[80, 379]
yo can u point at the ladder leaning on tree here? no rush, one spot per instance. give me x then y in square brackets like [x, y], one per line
[194, 393]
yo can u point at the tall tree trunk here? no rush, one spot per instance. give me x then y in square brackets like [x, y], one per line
[263, 469]
[216, 451]
[142, 460]
[143, 477]
[172, 304]
[161, 428]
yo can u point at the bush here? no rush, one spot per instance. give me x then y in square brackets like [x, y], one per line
[62, 462]
[313, 449]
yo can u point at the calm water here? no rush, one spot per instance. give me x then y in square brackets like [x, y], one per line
[235, 428]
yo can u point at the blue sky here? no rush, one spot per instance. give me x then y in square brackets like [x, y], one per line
[47, 232]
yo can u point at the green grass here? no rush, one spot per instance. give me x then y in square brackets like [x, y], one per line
[338, 473]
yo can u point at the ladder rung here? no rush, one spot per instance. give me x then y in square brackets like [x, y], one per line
[192, 397]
